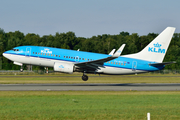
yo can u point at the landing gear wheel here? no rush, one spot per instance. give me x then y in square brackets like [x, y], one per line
[84, 77]
[21, 70]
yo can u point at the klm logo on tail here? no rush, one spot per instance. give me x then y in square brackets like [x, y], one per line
[157, 49]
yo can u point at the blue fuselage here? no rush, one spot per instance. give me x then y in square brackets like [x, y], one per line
[64, 55]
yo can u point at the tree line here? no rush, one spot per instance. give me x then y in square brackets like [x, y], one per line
[98, 44]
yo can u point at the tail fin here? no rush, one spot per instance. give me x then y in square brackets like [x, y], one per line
[156, 50]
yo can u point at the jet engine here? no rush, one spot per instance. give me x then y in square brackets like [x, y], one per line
[64, 67]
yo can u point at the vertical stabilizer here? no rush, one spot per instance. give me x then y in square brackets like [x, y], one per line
[156, 50]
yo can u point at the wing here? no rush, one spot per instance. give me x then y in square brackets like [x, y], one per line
[95, 64]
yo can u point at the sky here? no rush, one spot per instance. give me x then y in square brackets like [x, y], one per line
[87, 18]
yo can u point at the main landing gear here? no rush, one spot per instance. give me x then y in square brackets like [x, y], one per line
[84, 77]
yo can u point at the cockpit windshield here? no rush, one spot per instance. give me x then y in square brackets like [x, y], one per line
[15, 49]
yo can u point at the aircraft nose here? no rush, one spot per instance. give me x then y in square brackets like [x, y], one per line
[5, 55]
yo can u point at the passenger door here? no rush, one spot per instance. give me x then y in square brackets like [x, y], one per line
[134, 65]
[28, 52]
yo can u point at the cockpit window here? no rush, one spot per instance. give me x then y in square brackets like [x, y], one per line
[15, 49]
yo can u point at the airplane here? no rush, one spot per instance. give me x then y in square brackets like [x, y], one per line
[68, 61]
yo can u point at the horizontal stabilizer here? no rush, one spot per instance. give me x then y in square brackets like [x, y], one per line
[119, 51]
[161, 64]
[112, 52]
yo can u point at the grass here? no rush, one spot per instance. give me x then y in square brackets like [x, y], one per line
[76, 78]
[89, 105]
[92, 105]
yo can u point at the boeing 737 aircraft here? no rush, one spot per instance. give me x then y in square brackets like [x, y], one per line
[69, 61]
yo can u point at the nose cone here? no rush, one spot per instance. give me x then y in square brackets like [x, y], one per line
[5, 55]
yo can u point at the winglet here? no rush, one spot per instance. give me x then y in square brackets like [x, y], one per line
[112, 52]
[119, 51]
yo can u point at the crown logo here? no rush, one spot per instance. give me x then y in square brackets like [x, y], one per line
[157, 45]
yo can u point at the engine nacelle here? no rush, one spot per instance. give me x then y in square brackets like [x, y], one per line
[63, 67]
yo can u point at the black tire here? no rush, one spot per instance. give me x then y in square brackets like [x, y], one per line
[84, 77]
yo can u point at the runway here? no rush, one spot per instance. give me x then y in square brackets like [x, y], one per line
[92, 87]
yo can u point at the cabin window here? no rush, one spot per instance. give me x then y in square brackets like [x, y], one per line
[119, 63]
[79, 58]
[71, 57]
[116, 63]
[36, 52]
[33, 52]
[59, 55]
[85, 59]
[82, 58]
[56, 55]
[111, 62]
[41, 53]
[64, 56]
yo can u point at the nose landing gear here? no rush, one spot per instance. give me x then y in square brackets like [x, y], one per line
[21, 70]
